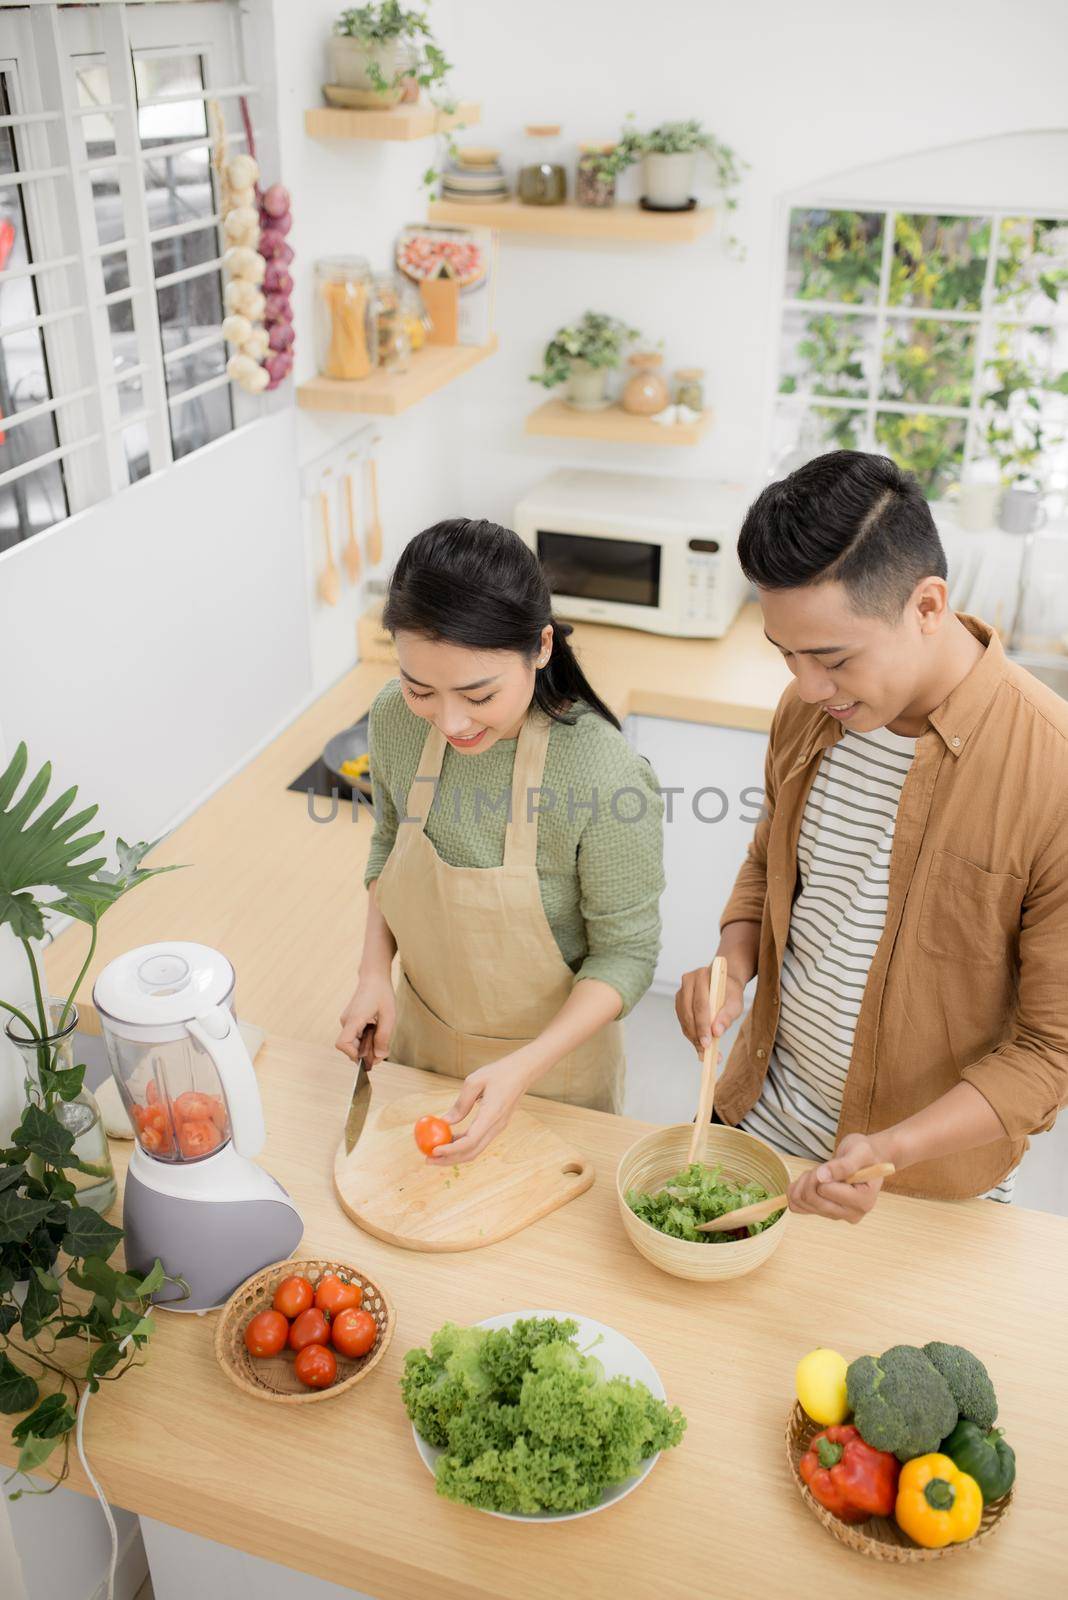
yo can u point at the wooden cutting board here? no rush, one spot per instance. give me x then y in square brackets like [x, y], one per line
[389, 1188]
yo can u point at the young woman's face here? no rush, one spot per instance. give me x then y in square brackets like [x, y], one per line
[474, 697]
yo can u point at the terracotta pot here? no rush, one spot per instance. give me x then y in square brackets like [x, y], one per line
[645, 392]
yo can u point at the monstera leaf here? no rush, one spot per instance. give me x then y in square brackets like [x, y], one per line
[48, 851]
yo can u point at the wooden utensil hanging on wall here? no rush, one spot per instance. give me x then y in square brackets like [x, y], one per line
[374, 523]
[351, 553]
[329, 578]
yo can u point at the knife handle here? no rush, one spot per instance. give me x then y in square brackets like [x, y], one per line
[364, 1050]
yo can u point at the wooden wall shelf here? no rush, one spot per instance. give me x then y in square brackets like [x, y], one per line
[386, 394]
[618, 223]
[557, 420]
[394, 123]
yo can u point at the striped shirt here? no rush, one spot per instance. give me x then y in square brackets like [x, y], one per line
[843, 857]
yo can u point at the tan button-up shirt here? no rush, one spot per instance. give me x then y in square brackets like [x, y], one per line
[970, 978]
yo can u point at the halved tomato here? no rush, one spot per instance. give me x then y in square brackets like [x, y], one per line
[198, 1137]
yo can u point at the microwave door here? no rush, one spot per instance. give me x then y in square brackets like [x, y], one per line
[610, 571]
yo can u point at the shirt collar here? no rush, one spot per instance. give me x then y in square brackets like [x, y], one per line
[957, 718]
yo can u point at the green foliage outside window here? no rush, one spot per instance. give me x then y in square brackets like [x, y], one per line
[939, 264]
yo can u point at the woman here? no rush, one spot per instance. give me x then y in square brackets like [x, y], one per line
[516, 863]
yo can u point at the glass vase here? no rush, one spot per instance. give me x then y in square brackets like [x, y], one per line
[95, 1178]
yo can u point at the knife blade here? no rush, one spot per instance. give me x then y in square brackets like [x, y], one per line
[361, 1094]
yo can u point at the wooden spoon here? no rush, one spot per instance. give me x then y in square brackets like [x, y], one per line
[717, 988]
[763, 1209]
[329, 578]
[374, 524]
[351, 553]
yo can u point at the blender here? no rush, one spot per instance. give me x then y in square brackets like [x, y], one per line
[194, 1197]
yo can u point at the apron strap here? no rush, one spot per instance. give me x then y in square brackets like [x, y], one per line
[424, 787]
[521, 835]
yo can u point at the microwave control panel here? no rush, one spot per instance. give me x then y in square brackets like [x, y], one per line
[702, 566]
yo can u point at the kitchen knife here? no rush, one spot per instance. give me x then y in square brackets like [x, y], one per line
[361, 1094]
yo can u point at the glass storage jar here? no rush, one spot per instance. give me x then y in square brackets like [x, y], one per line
[346, 341]
[542, 178]
[689, 388]
[394, 343]
[592, 188]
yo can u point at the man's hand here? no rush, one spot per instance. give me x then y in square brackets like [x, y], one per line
[496, 1091]
[691, 1008]
[824, 1192]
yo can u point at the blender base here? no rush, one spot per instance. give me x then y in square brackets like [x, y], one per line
[214, 1243]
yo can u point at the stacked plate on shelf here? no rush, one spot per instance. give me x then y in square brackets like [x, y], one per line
[475, 176]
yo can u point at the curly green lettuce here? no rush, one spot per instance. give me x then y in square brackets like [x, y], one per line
[527, 1422]
[698, 1194]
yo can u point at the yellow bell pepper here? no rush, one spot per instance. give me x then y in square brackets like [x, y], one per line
[937, 1504]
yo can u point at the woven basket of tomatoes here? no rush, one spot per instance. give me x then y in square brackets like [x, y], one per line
[303, 1330]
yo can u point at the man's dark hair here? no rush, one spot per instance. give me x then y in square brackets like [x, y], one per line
[846, 517]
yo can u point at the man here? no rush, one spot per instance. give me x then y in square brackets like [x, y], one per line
[904, 902]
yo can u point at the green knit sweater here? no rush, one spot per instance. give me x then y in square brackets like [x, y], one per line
[600, 872]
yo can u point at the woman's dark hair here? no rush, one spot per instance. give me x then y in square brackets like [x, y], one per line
[477, 584]
[849, 517]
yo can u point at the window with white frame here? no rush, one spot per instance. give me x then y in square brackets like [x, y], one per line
[112, 361]
[931, 336]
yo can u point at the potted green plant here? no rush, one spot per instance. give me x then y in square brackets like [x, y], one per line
[669, 155]
[69, 1319]
[380, 52]
[582, 355]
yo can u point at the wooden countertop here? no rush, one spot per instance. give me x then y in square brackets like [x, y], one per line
[337, 1489]
[283, 895]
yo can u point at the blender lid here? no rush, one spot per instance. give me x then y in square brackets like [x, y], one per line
[157, 985]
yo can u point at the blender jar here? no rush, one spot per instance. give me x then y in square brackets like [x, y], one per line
[167, 1016]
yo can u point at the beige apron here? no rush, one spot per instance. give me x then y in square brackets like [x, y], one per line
[481, 973]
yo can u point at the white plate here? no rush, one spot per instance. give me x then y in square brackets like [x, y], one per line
[620, 1359]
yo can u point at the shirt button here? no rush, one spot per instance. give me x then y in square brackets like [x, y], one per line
[761, 1054]
[955, 741]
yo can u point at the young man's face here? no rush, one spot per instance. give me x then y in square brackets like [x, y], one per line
[863, 671]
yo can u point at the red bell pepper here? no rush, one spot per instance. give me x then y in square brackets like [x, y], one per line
[847, 1476]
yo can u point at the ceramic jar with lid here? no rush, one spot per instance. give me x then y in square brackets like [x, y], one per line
[542, 177]
[645, 392]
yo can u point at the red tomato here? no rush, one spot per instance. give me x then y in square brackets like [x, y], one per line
[316, 1366]
[138, 1114]
[154, 1141]
[198, 1138]
[430, 1132]
[311, 1327]
[266, 1334]
[333, 1295]
[293, 1296]
[193, 1107]
[354, 1333]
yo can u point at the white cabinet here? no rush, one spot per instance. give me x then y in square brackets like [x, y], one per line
[718, 778]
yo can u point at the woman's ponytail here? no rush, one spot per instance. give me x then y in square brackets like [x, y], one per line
[562, 681]
[477, 584]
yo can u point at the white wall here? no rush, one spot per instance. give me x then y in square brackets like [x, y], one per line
[148, 643]
[802, 92]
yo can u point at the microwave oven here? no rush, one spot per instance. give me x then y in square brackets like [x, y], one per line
[639, 551]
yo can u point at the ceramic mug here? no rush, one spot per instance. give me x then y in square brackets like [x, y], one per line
[1021, 511]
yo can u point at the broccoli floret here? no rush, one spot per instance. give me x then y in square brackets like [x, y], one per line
[900, 1401]
[969, 1382]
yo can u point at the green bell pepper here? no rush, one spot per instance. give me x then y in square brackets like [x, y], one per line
[983, 1456]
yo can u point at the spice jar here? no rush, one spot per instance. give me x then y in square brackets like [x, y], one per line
[645, 392]
[689, 389]
[345, 334]
[592, 188]
[413, 314]
[542, 178]
[394, 344]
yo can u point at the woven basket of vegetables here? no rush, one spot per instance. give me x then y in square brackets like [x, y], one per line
[897, 1455]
